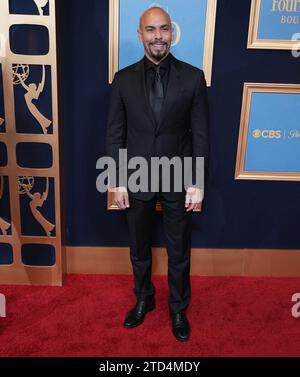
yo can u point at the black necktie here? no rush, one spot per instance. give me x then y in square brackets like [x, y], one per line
[156, 95]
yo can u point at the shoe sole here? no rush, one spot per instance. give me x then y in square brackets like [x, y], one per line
[182, 340]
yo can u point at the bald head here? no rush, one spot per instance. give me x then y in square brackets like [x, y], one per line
[153, 11]
[156, 34]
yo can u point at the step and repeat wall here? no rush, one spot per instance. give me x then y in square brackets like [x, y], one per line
[250, 53]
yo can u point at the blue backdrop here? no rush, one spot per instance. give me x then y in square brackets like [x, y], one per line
[237, 214]
[277, 113]
[277, 23]
[191, 48]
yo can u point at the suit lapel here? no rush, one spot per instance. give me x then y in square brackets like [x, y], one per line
[141, 90]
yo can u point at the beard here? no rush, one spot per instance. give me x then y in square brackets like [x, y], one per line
[158, 55]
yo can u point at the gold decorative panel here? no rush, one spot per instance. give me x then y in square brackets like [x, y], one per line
[30, 223]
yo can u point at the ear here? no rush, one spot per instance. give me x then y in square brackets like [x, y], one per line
[139, 34]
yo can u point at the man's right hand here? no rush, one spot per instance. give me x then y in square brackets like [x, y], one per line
[121, 198]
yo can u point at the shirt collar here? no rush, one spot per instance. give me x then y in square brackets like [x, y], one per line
[165, 64]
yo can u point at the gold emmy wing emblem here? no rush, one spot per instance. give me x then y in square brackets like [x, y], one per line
[40, 5]
[4, 225]
[32, 93]
[37, 200]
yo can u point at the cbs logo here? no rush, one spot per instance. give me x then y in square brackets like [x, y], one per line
[266, 134]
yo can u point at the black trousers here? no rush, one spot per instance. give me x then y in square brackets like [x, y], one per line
[177, 226]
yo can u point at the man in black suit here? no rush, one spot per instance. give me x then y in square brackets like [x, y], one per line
[158, 107]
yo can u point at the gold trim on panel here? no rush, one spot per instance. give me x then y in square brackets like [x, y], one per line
[240, 172]
[114, 12]
[256, 43]
[208, 51]
[18, 273]
[253, 23]
[204, 262]
[114, 19]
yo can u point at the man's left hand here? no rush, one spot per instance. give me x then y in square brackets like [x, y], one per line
[193, 198]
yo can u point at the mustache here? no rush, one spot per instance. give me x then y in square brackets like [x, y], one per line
[158, 43]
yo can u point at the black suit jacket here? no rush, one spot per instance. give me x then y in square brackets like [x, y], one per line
[183, 126]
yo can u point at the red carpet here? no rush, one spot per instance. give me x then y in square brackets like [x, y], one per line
[228, 316]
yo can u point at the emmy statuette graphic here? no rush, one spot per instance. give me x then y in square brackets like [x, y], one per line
[26, 184]
[40, 5]
[33, 92]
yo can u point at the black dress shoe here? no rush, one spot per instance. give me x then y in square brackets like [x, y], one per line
[136, 315]
[180, 326]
